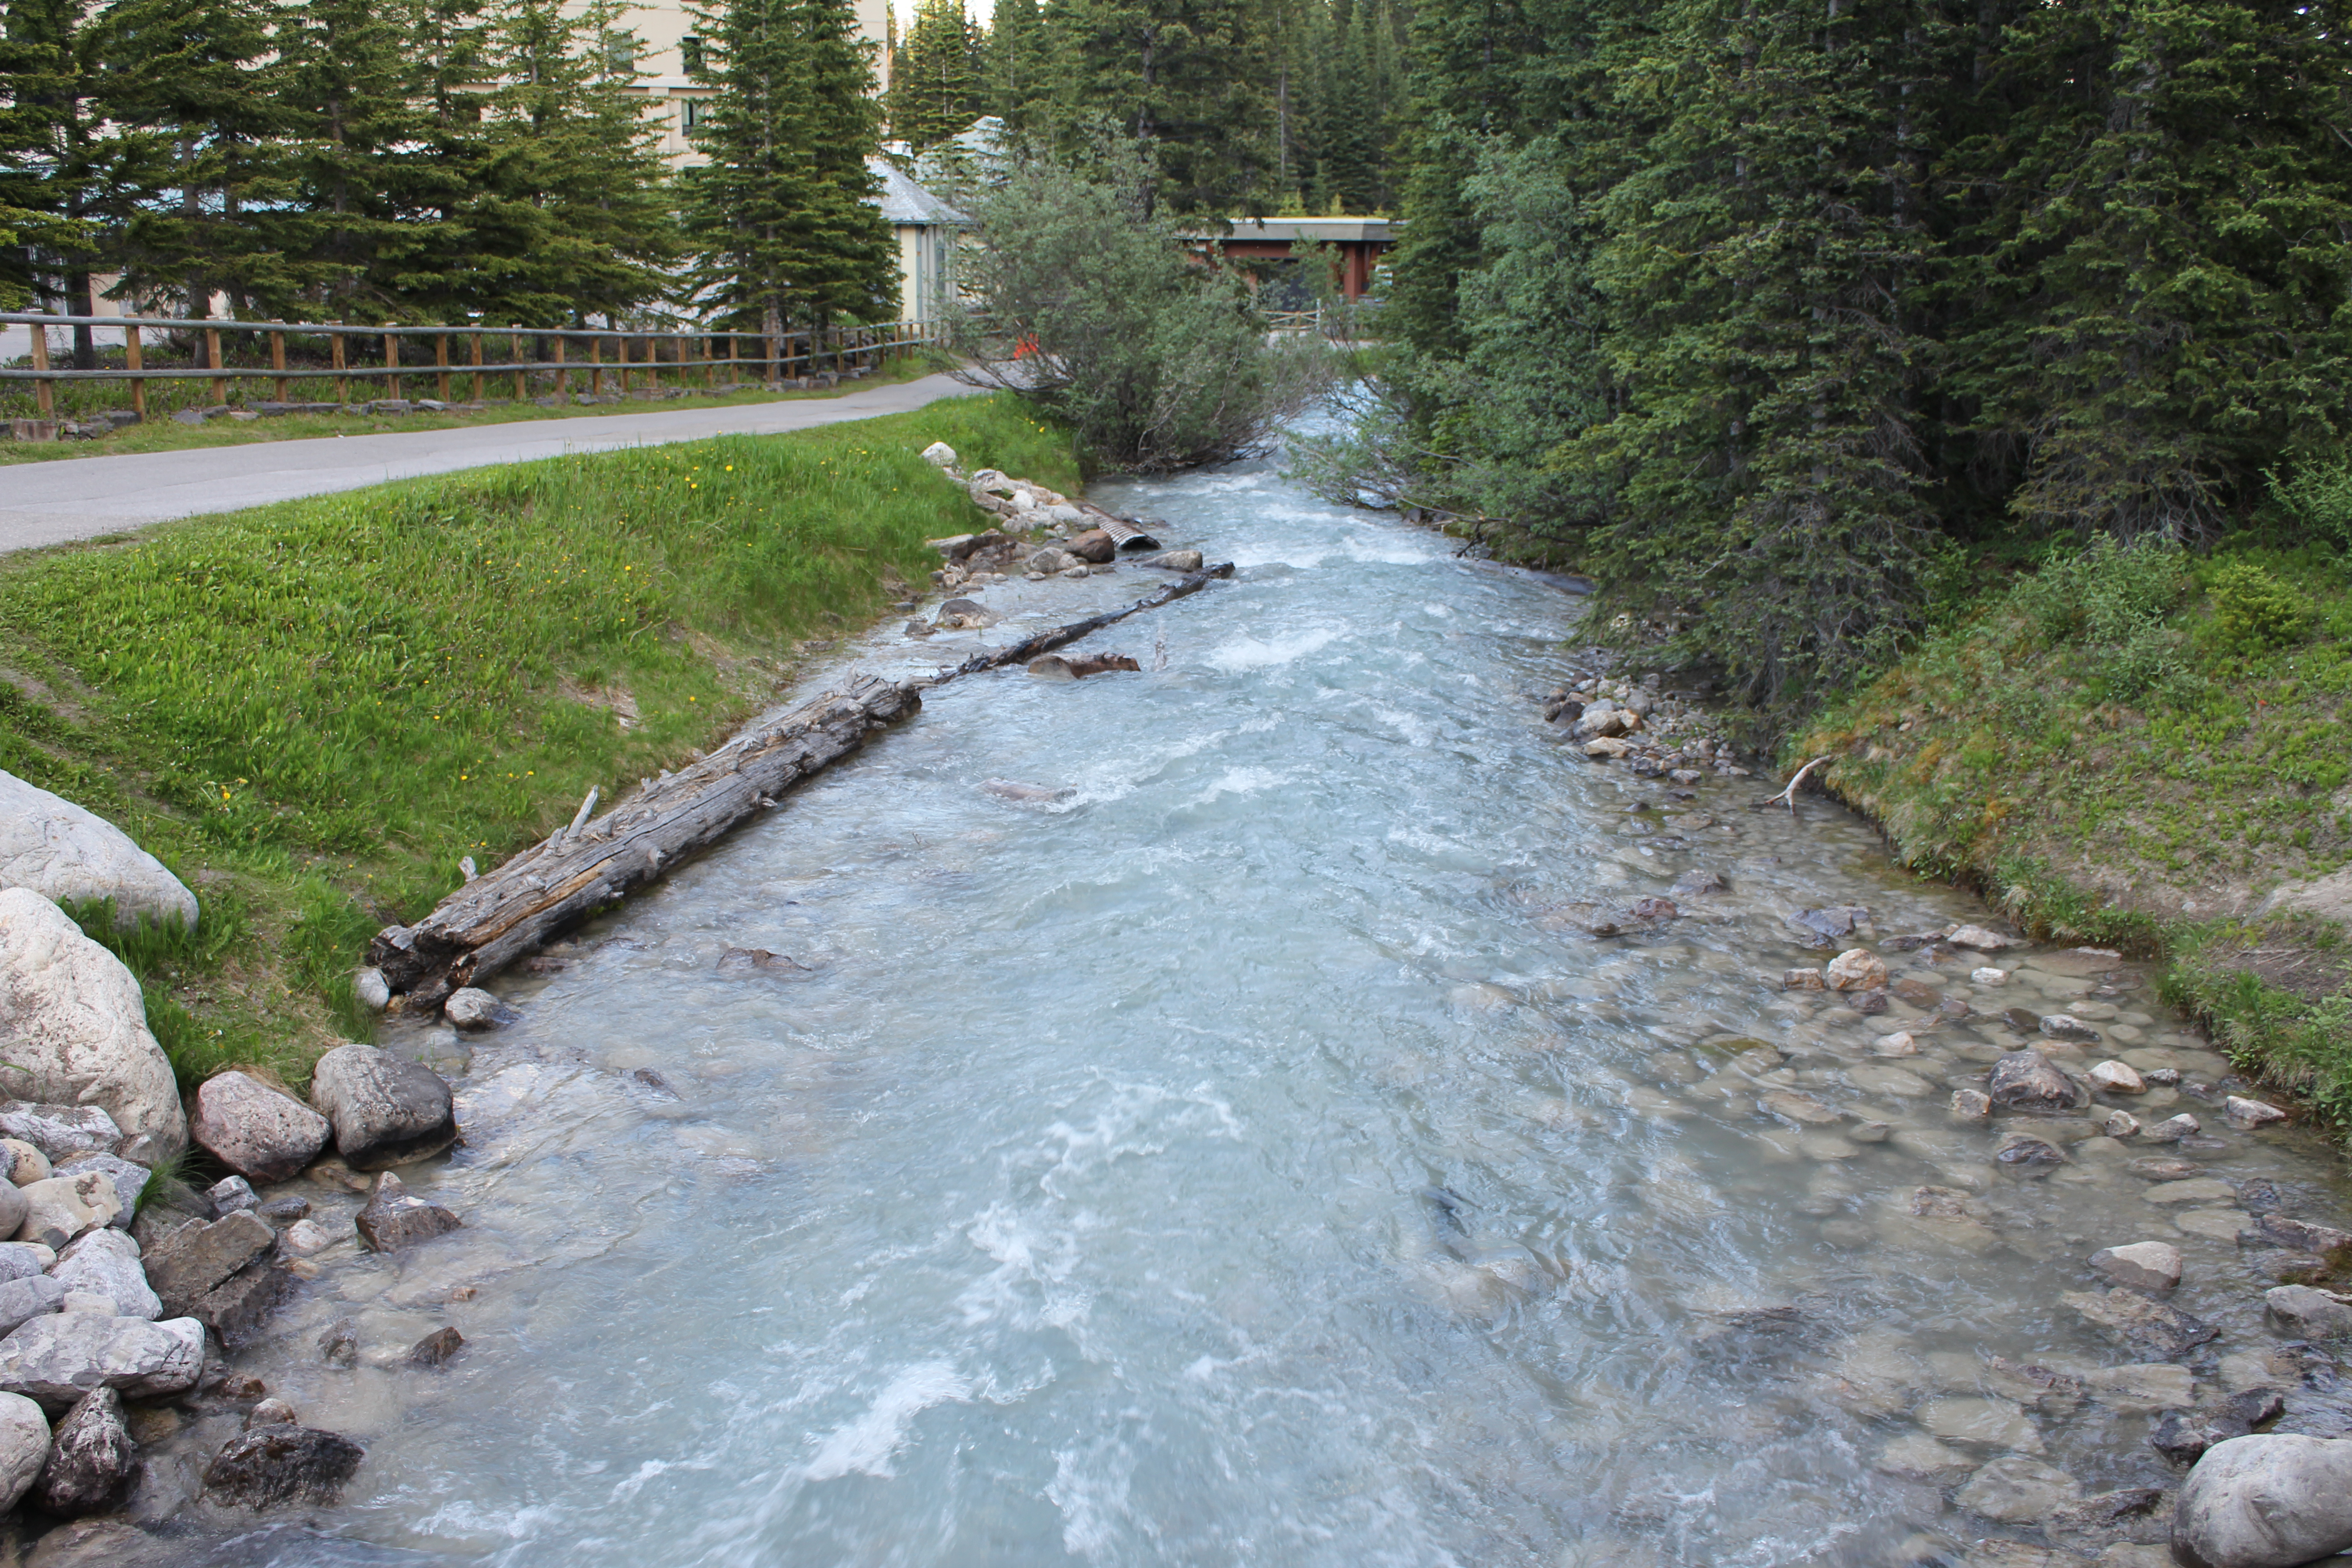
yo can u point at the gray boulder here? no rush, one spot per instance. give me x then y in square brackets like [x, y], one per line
[28, 1298]
[201, 1256]
[2305, 1314]
[14, 1210]
[77, 1030]
[262, 1135]
[53, 1361]
[57, 1134]
[24, 1447]
[19, 1260]
[2141, 1323]
[2026, 1081]
[474, 1008]
[279, 1463]
[54, 848]
[105, 1263]
[2271, 1500]
[63, 1208]
[92, 1460]
[130, 1179]
[386, 1111]
[393, 1219]
[2016, 1490]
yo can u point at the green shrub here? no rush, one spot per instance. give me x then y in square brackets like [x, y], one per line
[1092, 306]
[2319, 499]
[2253, 609]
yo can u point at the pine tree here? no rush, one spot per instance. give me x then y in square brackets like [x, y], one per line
[2156, 309]
[1017, 76]
[781, 214]
[195, 99]
[354, 146]
[935, 87]
[1183, 75]
[56, 158]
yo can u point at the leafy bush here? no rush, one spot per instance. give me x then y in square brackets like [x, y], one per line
[2112, 598]
[2319, 499]
[1092, 306]
[2253, 609]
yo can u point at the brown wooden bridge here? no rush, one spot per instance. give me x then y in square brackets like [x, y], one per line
[1359, 241]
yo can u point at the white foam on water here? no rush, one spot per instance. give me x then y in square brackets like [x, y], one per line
[1248, 653]
[866, 1445]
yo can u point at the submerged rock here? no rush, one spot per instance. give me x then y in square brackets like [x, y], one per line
[473, 1008]
[1855, 969]
[272, 1466]
[393, 1219]
[2026, 1081]
[2141, 1323]
[2143, 1264]
[2308, 1313]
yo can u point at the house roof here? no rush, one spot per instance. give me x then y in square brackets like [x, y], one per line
[905, 202]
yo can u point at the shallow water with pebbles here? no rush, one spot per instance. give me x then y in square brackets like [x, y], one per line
[1226, 1162]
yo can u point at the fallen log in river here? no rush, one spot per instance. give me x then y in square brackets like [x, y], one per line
[511, 912]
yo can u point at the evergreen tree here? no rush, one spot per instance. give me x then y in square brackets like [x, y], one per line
[2156, 306]
[193, 90]
[781, 214]
[1017, 76]
[1183, 74]
[56, 158]
[935, 86]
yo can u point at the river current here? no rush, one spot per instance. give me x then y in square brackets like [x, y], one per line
[1226, 1162]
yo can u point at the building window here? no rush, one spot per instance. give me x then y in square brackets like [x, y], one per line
[690, 53]
[691, 113]
[621, 53]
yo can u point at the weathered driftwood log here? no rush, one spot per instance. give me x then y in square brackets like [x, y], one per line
[513, 911]
[1028, 648]
[507, 914]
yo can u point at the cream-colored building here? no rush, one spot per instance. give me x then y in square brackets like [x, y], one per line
[669, 41]
[926, 230]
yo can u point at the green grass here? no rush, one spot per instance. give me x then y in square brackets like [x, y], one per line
[313, 711]
[2133, 749]
[161, 433]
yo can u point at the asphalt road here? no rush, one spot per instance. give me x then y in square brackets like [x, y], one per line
[82, 498]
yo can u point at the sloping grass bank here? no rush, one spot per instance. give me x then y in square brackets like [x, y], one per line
[313, 711]
[2146, 750]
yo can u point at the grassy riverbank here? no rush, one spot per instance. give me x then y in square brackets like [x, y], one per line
[2145, 751]
[161, 433]
[313, 711]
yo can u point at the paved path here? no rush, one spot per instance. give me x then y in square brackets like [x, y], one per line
[81, 497]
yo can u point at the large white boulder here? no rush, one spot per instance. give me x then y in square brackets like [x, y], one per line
[2270, 1501]
[73, 1029]
[67, 855]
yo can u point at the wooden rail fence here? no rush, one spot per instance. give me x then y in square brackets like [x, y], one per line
[640, 352]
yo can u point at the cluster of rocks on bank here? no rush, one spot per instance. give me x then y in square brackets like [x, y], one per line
[1035, 533]
[122, 1291]
[1652, 734]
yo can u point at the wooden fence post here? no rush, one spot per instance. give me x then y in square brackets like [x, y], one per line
[562, 376]
[477, 366]
[621, 353]
[441, 358]
[342, 382]
[514, 355]
[132, 361]
[391, 365]
[213, 362]
[734, 361]
[596, 364]
[278, 360]
[43, 395]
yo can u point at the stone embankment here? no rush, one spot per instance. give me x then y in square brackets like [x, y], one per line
[124, 1293]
